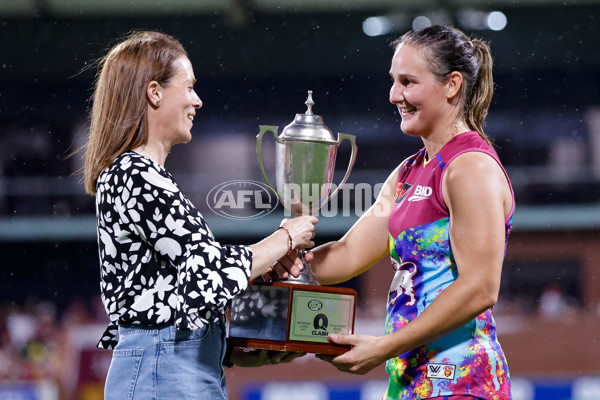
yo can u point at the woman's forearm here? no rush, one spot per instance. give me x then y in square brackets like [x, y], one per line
[267, 251]
[458, 304]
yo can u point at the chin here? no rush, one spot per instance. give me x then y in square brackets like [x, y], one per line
[185, 138]
[408, 130]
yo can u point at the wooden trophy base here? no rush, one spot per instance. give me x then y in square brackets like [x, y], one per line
[292, 317]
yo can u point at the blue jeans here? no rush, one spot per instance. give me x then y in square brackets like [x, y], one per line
[152, 363]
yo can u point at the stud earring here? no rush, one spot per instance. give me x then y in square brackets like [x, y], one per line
[158, 103]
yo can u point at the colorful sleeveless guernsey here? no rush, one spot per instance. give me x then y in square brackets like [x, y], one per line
[468, 361]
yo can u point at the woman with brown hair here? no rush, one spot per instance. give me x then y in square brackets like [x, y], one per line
[165, 281]
[443, 216]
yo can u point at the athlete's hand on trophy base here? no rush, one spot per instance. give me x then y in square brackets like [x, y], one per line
[360, 359]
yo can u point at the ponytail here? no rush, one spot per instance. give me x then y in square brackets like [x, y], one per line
[478, 102]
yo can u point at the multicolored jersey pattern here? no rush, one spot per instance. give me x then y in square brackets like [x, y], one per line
[468, 361]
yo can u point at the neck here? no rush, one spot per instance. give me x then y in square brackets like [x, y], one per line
[155, 153]
[435, 141]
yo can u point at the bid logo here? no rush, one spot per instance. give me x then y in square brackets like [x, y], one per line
[241, 199]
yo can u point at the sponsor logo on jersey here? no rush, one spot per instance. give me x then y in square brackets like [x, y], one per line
[401, 191]
[421, 193]
[441, 371]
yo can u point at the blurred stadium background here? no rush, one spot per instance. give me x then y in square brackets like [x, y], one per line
[255, 60]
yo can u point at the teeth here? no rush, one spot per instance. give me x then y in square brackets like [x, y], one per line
[190, 117]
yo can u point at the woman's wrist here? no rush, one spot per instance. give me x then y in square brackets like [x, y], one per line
[289, 237]
[390, 345]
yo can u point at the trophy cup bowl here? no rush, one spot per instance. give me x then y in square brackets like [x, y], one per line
[296, 314]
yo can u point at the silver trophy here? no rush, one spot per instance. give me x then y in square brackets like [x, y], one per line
[283, 315]
[305, 162]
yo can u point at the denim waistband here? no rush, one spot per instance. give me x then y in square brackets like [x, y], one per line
[164, 331]
[144, 328]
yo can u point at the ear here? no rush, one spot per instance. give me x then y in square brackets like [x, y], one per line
[154, 93]
[454, 84]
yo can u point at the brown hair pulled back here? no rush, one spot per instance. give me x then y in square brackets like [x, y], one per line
[448, 49]
[118, 120]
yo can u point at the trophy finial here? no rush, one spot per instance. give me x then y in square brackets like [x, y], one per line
[309, 103]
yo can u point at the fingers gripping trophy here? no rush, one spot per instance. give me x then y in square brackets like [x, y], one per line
[297, 314]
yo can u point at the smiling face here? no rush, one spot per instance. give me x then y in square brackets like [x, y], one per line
[421, 100]
[178, 103]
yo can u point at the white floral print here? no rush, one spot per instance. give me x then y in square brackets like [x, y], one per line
[159, 261]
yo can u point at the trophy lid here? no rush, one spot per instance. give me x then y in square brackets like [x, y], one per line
[308, 127]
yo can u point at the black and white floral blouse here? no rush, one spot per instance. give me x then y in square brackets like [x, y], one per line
[160, 263]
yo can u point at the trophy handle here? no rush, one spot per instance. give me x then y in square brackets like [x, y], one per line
[264, 129]
[352, 139]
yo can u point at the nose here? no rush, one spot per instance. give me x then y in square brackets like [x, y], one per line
[396, 95]
[197, 102]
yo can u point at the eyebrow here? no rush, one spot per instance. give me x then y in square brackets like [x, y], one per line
[403, 76]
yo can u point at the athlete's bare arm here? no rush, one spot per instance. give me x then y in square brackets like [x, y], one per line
[363, 245]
